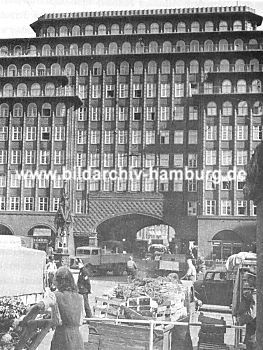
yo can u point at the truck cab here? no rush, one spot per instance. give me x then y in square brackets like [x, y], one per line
[216, 288]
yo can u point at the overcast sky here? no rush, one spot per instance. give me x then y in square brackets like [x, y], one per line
[17, 15]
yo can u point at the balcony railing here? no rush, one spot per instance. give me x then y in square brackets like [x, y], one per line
[32, 73]
[59, 92]
[224, 90]
[146, 50]
[247, 68]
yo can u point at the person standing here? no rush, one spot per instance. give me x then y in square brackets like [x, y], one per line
[191, 271]
[131, 268]
[67, 313]
[84, 287]
[51, 269]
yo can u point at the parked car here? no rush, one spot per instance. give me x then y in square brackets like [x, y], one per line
[216, 288]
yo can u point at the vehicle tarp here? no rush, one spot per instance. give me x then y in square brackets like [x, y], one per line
[21, 271]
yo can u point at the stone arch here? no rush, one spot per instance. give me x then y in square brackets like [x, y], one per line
[6, 229]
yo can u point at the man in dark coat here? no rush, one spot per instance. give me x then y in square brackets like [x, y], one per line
[84, 287]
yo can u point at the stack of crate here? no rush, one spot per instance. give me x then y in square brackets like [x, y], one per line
[106, 307]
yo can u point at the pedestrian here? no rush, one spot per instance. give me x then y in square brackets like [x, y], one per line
[84, 287]
[131, 269]
[51, 269]
[191, 271]
[246, 313]
[67, 307]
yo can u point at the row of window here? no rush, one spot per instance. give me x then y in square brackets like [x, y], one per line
[124, 68]
[45, 204]
[227, 109]
[140, 47]
[31, 133]
[35, 90]
[150, 184]
[142, 28]
[32, 110]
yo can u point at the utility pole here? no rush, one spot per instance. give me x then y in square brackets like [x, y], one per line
[254, 191]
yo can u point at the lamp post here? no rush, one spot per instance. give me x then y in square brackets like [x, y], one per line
[254, 191]
[63, 222]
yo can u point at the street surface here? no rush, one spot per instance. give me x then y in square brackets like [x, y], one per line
[105, 285]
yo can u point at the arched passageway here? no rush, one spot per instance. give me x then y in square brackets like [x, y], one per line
[4, 230]
[226, 243]
[43, 238]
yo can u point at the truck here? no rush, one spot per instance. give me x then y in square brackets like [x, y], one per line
[99, 261]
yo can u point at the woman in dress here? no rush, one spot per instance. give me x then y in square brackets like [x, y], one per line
[67, 307]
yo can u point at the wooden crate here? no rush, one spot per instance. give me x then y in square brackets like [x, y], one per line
[127, 337]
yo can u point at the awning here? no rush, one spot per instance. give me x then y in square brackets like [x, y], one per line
[42, 232]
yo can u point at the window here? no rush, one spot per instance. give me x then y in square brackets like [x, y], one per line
[181, 27]
[138, 68]
[227, 109]
[115, 29]
[46, 50]
[242, 108]
[122, 160]
[148, 185]
[241, 86]
[167, 47]
[226, 87]
[151, 90]
[7, 90]
[239, 66]
[135, 185]
[35, 90]
[14, 180]
[178, 113]
[242, 157]
[226, 134]
[209, 26]
[95, 137]
[21, 90]
[164, 137]
[164, 160]
[45, 133]
[58, 181]
[44, 157]
[46, 110]
[177, 185]
[94, 161]
[208, 45]
[193, 113]
[109, 137]
[257, 108]
[165, 67]
[210, 207]
[226, 157]
[136, 137]
[30, 157]
[226, 207]
[163, 185]
[152, 66]
[59, 157]
[59, 133]
[122, 137]
[82, 114]
[11, 70]
[83, 69]
[123, 90]
[257, 133]
[95, 114]
[28, 203]
[110, 91]
[55, 204]
[61, 110]
[195, 27]
[150, 137]
[240, 184]
[150, 113]
[192, 185]
[96, 91]
[137, 90]
[165, 113]
[137, 113]
[3, 156]
[208, 66]
[178, 160]
[191, 208]
[149, 160]
[81, 137]
[237, 25]
[256, 86]
[194, 67]
[223, 26]
[18, 110]
[123, 113]
[211, 109]
[168, 27]
[241, 207]
[226, 184]
[179, 137]
[108, 160]
[97, 69]
[135, 161]
[211, 157]
[3, 133]
[63, 31]
[179, 67]
[165, 90]
[2, 203]
[4, 110]
[124, 68]
[79, 206]
[80, 161]
[192, 160]
[210, 183]
[14, 203]
[15, 157]
[121, 185]
[242, 132]
[109, 114]
[43, 203]
[192, 137]
[2, 180]
[179, 90]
